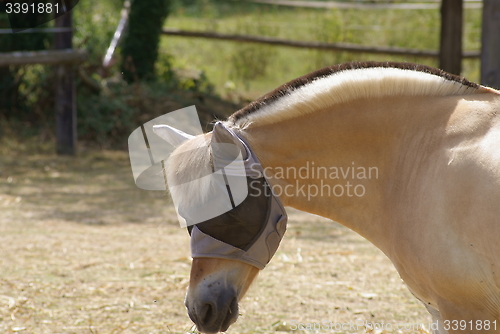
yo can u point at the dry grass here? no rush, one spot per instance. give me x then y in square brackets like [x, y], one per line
[85, 251]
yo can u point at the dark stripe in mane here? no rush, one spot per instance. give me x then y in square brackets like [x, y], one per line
[324, 72]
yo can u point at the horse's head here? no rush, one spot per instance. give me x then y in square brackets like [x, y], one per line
[234, 220]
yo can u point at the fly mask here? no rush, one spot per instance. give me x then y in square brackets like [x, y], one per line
[251, 227]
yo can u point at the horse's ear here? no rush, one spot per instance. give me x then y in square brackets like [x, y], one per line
[221, 137]
[173, 136]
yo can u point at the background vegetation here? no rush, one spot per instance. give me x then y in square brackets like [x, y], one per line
[217, 76]
[251, 69]
[140, 47]
[13, 90]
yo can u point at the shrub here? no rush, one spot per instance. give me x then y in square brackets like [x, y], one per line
[140, 47]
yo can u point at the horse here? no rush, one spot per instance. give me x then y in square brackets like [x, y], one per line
[424, 151]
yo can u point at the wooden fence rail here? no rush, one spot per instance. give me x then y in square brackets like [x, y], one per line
[65, 91]
[314, 45]
[49, 57]
[470, 4]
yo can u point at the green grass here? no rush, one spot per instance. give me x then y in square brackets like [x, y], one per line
[252, 69]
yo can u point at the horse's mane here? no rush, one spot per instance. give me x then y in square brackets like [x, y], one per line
[346, 82]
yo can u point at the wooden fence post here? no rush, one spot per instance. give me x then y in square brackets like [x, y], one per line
[490, 44]
[450, 51]
[65, 92]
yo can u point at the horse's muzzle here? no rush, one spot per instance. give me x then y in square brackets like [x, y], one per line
[215, 312]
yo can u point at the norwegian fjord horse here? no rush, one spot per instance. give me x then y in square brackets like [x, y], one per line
[433, 209]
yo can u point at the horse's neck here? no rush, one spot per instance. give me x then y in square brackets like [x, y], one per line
[359, 144]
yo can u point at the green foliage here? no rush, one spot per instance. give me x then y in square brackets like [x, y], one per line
[95, 23]
[140, 47]
[254, 69]
[198, 83]
[187, 70]
[251, 62]
[106, 118]
[9, 99]
[13, 103]
[23, 42]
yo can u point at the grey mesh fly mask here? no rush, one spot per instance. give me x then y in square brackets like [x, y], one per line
[252, 230]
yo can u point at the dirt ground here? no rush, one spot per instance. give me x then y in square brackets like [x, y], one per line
[85, 251]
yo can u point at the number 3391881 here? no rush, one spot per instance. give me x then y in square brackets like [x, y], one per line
[40, 8]
[470, 325]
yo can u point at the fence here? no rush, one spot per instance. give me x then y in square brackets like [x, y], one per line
[451, 46]
[314, 45]
[64, 58]
[450, 53]
[49, 57]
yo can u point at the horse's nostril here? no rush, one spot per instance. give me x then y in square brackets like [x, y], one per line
[207, 314]
[231, 316]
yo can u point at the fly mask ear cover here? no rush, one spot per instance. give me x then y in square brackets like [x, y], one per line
[266, 239]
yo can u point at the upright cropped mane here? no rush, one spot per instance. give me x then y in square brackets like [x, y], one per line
[346, 82]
